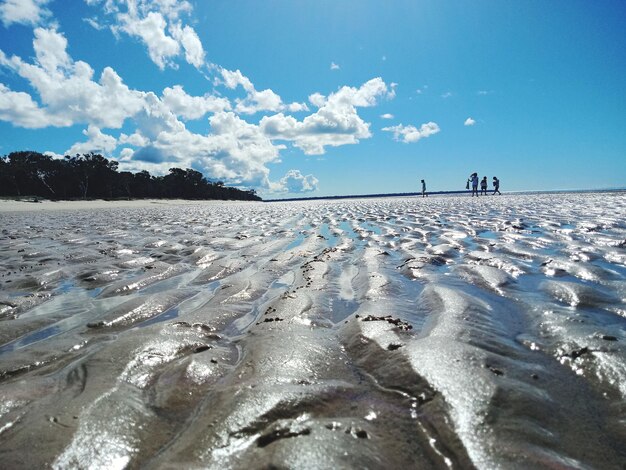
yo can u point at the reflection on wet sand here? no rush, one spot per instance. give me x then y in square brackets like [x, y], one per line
[378, 333]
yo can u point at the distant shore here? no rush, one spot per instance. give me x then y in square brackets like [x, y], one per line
[446, 193]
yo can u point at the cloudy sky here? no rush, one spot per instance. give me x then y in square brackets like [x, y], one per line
[324, 97]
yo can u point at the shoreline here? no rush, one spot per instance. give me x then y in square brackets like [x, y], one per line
[48, 205]
[464, 192]
[13, 205]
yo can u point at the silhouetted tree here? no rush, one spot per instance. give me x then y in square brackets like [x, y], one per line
[93, 176]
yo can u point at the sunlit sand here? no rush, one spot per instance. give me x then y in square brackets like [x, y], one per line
[364, 333]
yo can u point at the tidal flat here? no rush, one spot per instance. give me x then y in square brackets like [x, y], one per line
[441, 332]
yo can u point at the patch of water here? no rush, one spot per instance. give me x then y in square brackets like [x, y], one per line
[372, 228]
[341, 309]
[331, 239]
[349, 230]
[165, 316]
[31, 338]
[488, 234]
[303, 234]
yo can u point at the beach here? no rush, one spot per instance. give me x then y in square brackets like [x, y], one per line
[440, 332]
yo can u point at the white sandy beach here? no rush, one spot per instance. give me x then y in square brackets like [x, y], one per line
[47, 205]
[444, 332]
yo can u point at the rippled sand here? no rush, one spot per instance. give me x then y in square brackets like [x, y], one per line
[374, 333]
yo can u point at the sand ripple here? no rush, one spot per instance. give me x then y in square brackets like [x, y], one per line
[374, 333]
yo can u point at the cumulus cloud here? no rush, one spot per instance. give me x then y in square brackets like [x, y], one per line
[234, 79]
[295, 182]
[235, 151]
[136, 139]
[151, 30]
[67, 90]
[409, 134]
[386, 116]
[335, 123]
[23, 11]
[188, 38]
[255, 101]
[317, 100]
[193, 107]
[20, 109]
[469, 122]
[97, 142]
[334, 66]
[158, 24]
[447, 94]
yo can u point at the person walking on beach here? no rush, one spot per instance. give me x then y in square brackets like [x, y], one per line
[483, 186]
[474, 181]
[424, 189]
[496, 186]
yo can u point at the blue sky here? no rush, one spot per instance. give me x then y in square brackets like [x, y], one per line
[325, 97]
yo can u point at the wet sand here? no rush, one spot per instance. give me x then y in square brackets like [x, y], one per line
[444, 332]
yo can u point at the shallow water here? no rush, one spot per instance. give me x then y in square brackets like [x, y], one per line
[380, 333]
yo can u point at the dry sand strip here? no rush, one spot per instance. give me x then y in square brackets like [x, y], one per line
[47, 205]
[395, 333]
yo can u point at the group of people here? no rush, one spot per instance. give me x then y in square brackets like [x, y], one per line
[473, 181]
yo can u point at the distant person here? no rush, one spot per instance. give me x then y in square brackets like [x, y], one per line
[474, 181]
[496, 186]
[483, 186]
[424, 189]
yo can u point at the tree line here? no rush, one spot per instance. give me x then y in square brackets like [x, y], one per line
[92, 176]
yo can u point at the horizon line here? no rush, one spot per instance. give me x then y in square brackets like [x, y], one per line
[436, 193]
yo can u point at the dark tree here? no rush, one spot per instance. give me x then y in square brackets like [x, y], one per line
[93, 176]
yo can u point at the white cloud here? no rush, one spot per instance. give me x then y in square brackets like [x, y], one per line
[50, 50]
[255, 101]
[193, 107]
[188, 38]
[151, 30]
[447, 94]
[386, 116]
[20, 109]
[156, 118]
[297, 107]
[318, 100]
[158, 25]
[126, 154]
[23, 11]
[408, 134]
[469, 122]
[233, 79]
[93, 22]
[235, 151]
[335, 123]
[67, 90]
[136, 139]
[334, 66]
[97, 142]
[295, 182]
